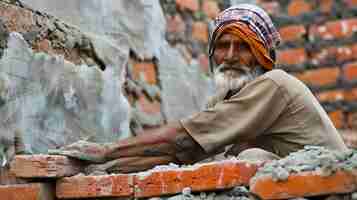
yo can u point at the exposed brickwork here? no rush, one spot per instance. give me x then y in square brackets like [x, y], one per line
[95, 186]
[331, 96]
[203, 178]
[31, 191]
[304, 184]
[292, 56]
[298, 7]
[319, 77]
[350, 71]
[292, 32]
[44, 166]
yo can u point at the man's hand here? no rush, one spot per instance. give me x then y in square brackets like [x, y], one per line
[84, 150]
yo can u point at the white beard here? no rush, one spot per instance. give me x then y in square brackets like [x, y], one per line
[231, 78]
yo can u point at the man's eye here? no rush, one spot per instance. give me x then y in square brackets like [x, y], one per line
[244, 46]
[223, 45]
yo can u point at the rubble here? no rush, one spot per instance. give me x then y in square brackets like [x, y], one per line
[311, 158]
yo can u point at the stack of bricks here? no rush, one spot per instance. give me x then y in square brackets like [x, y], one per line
[51, 177]
[318, 47]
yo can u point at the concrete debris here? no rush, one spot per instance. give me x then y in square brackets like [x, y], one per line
[311, 158]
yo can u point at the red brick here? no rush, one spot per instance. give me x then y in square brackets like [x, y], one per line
[120, 185]
[350, 71]
[210, 8]
[291, 56]
[339, 54]
[200, 31]
[352, 120]
[147, 106]
[175, 24]
[319, 77]
[337, 118]
[292, 32]
[304, 184]
[146, 71]
[331, 96]
[192, 5]
[272, 8]
[334, 29]
[298, 7]
[203, 177]
[31, 191]
[351, 95]
[44, 166]
[325, 6]
[323, 56]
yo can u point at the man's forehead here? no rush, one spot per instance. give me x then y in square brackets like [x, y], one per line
[227, 37]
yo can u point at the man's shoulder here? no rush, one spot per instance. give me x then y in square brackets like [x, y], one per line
[279, 77]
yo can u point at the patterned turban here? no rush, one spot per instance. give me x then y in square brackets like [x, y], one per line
[254, 26]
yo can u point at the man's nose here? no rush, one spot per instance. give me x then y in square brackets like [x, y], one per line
[232, 52]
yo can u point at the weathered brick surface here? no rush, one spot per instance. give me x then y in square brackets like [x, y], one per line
[120, 185]
[331, 95]
[201, 178]
[319, 77]
[350, 71]
[27, 23]
[31, 191]
[292, 56]
[298, 7]
[304, 184]
[44, 166]
[292, 32]
[334, 29]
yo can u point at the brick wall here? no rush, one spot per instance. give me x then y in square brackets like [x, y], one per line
[319, 47]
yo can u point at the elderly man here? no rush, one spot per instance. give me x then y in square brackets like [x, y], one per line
[258, 112]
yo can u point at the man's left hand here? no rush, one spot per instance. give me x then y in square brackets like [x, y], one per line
[83, 150]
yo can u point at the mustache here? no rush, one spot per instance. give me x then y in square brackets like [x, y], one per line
[232, 66]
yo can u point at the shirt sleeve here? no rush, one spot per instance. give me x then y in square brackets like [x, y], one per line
[243, 117]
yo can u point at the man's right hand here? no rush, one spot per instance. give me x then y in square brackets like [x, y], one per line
[83, 150]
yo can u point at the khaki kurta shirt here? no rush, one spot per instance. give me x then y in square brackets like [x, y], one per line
[276, 111]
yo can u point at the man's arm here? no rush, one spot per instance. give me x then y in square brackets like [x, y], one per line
[167, 144]
[170, 143]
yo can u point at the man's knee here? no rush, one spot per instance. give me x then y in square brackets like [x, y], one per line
[257, 154]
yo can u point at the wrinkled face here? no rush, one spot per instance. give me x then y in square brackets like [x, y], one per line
[235, 63]
[233, 50]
